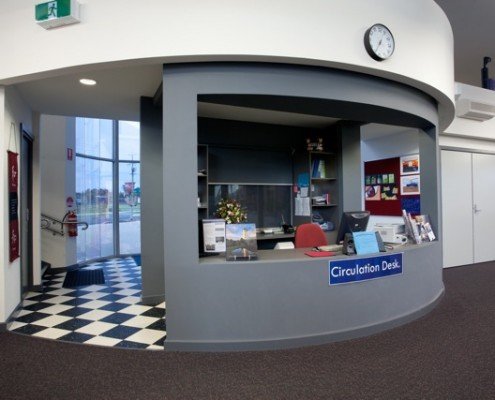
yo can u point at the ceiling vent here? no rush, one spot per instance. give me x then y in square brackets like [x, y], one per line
[476, 110]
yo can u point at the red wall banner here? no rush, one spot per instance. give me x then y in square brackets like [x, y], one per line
[13, 205]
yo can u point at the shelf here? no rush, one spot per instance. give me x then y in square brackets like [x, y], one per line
[323, 205]
[202, 207]
[324, 179]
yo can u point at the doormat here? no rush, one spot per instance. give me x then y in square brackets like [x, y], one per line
[82, 277]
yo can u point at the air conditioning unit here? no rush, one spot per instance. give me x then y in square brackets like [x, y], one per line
[476, 110]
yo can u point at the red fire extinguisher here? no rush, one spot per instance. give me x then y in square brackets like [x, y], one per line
[72, 219]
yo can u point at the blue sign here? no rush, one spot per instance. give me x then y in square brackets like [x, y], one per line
[363, 269]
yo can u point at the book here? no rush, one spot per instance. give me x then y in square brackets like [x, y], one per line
[412, 230]
[241, 242]
[425, 230]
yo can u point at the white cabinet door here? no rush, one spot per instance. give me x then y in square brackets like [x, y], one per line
[484, 207]
[457, 208]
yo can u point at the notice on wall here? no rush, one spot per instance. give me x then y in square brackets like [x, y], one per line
[302, 207]
[214, 235]
[363, 269]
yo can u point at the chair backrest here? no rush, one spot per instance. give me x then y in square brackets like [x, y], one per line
[310, 235]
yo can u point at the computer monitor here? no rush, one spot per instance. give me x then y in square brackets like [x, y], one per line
[352, 221]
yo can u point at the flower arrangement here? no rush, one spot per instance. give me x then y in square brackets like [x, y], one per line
[231, 211]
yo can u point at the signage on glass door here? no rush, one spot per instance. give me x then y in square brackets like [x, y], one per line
[363, 269]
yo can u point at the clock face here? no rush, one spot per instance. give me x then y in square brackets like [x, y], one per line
[379, 42]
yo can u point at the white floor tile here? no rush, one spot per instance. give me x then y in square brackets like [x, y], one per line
[26, 303]
[146, 336]
[103, 341]
[16, 325]
[127, 292]
[95, 315]
[61, 291]
[51, 321]
[96, 328]
[154, 347]
[93, 288]
[58, 299]
[161, 305]
[135, 309]
[23, 312]
[56, 309]
[95, 304]
[93, 295]
[52, 333]
[28, 295]
[119, 280]
[140, 321]
[124, 285]
[129, 300]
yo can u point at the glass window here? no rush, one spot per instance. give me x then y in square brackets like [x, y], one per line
[94, 201]
[130, 207]
[266, 205]
[129, 140]
[97, 202]
[94, 137]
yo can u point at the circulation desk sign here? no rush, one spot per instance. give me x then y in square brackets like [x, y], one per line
[363, 269]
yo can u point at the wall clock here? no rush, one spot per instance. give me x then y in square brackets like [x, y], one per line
[379, 42]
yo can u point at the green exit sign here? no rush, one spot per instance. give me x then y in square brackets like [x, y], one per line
[57, 13]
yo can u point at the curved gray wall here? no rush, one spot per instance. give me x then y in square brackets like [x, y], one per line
[280, 303]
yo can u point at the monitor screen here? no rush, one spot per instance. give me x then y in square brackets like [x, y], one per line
[352, 221]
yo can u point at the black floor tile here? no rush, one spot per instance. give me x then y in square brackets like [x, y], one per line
[160, 342]
[120, 332]
[73, 324]
[41, 297]
[112, 297]
[37, 306]
[115, 307]
[29, 329]
[30, 318]
[154, 312]
[76, 337]
[117, 318]
[75, 312]
[131, 345]
[159, 325]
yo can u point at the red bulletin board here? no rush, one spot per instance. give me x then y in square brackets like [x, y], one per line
[381, 167]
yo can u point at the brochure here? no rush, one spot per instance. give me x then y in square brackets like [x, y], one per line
[241, 242]
[214, 235]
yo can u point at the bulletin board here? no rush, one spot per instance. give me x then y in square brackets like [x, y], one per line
[382, 188]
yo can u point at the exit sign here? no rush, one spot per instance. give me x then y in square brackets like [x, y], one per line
[57, 13]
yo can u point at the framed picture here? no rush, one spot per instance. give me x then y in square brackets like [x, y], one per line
[409, 165]
[409, 185]
[372, 193]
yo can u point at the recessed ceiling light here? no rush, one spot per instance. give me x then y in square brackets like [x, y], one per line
[87, 82]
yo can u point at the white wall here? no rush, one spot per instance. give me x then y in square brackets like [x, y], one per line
[13, 112]
[405, 141]
[57, 134]
[467, 134]
[313, 32]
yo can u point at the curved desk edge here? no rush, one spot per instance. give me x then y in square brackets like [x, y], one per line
[289, 343]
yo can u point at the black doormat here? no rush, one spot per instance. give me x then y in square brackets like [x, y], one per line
[82, 277]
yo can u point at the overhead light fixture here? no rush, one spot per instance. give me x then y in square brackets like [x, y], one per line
[87, 82]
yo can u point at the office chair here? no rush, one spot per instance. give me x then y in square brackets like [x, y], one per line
[310, 235]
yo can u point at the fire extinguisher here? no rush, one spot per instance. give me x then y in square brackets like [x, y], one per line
[72, 219]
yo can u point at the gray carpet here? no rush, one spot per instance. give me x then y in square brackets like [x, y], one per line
[448, 354]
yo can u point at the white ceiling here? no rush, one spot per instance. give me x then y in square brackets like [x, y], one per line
[119, 88]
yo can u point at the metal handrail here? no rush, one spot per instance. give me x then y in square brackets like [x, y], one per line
[47, 222]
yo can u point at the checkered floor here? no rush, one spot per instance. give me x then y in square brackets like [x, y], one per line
[105, 315]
